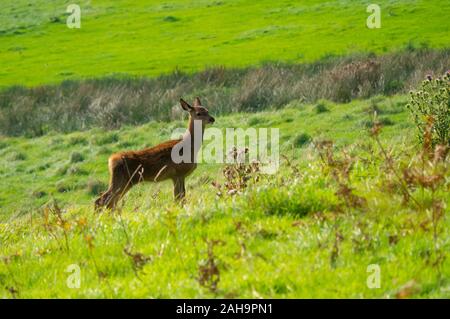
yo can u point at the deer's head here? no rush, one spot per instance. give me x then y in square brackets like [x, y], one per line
[197, 111]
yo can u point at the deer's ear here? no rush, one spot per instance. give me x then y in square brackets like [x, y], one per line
[185, 105]
[197, 102]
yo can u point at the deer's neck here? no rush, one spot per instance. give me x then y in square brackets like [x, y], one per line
[194, 136]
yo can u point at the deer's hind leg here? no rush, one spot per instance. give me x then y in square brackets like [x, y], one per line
[179, 190]
[117, 189]
[118, 186]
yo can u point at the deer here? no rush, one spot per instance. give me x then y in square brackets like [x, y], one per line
[173, 159]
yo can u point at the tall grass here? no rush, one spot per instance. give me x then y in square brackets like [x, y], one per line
[309, 231]
[112, 102]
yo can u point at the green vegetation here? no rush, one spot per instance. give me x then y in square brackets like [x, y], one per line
[110, 103]
[431, 106]
[129, 37]
[355, 188]
[72, 159]
[311, 230]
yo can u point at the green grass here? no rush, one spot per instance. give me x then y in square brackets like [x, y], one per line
[150, 38]
[276, 239]
[44, 164]
[294, 234]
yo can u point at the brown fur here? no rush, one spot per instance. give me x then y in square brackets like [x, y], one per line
[153, 164]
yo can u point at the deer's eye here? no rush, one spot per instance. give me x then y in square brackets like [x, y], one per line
[198, 114]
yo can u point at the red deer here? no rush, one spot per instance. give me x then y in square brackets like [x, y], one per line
[158, 163]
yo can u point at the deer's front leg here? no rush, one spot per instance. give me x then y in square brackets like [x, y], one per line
[179, 191]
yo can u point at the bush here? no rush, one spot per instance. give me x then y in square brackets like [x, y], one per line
[393, 86]
[430, 105]
[76, 157]
[111, 102]
[321, 107]
[356, 79]
[302, 139]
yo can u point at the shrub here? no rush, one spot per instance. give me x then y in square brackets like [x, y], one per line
[431, 105]
[356, 79]
[76, 157]
[321, 107]
[238, 174]
[111, 102]
[302, 139]
[393, 86]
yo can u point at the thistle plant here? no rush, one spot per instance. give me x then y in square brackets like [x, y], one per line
[431, 103]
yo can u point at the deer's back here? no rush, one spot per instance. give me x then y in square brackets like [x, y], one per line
[150, 162]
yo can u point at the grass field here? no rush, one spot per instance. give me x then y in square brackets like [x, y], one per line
[350, 194]
[152, 37]
[42, 166]
[284, 236]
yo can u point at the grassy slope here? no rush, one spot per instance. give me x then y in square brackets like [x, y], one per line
[276, 239]
[31, 166]
[150, 38]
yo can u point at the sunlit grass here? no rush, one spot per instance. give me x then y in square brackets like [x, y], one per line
[276, 239]
[150, 37]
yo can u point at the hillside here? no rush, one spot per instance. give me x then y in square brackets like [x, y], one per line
[359, 207]
[61, 166]
[293, 234]
[150, 38]
[109, 103]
